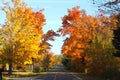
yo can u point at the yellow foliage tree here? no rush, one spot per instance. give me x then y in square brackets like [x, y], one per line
[21, 33]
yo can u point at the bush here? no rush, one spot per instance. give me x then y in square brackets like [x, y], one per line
[67, 63]
[37, 69]
[111, 74]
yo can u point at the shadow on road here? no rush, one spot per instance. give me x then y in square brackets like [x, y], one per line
[58, 73]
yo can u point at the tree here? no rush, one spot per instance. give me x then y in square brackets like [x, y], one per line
[112, 7]
[81, 29]
[108, 6]
[47, 59]
[89, 39]
[44, 44]
[101, 48]
[21, 33]
[57, 59]
[116, 39]
[66, 61]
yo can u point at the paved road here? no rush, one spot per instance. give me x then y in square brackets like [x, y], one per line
[57, 74]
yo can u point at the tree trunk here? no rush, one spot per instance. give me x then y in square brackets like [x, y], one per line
[0, 75]
[10, 57]
[83, 60]
[10, 68]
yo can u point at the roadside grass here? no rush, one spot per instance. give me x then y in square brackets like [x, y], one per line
[22, 74]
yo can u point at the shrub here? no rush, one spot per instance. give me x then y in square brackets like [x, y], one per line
[111, 74]
[37, 69]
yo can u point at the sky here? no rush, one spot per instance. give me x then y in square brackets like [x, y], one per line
[54, 10]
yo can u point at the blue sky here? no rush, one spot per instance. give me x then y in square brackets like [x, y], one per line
[54, 10]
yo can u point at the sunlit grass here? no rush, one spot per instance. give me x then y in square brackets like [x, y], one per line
[21, 74]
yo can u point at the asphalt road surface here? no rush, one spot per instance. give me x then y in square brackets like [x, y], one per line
[59, 73]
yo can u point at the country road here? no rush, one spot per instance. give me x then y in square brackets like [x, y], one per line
[59, 73]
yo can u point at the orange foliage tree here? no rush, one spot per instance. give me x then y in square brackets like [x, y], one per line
[82, 32]
[81, 29]
[44, 44]
[46, 57]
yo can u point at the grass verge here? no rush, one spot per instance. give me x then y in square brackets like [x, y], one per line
[21, 74]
